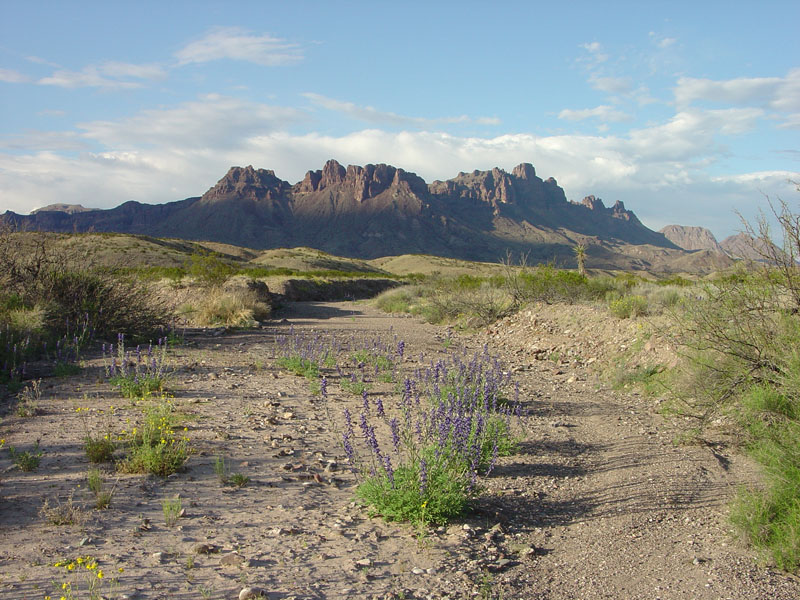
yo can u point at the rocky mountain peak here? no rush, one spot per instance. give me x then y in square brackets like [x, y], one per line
[364, 182]
[247, 183]
[692, 238]
[593, 203]
[524, 171]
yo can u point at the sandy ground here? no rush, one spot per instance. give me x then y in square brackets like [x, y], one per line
[598, 503]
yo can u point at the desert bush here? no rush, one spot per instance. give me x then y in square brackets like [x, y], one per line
[52, 305]
[741, 339]
[27, 460]
[400, 300]
[209, 268]
[420, 460]
[62, 513]
[229, 309]
[629, 307]
[137, 372]
[155, 446]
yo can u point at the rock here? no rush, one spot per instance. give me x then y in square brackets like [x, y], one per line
[232, 559]
[364, 562]
[203, 548]
[250, 593]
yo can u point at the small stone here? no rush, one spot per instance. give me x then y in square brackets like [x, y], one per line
[159, 556]
[203, 548]
[233, 559]
[249, 593]
[364, 562]
[417, 571]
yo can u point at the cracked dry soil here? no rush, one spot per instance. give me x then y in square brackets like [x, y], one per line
[598, 503]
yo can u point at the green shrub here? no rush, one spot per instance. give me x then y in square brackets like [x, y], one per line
[400, 498]
[210, 268]
[300, 366]
[741, 336]
[26, 461]
[98, 449]
[155, 447]
[628, 307]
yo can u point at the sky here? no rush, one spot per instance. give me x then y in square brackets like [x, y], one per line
[688, 112]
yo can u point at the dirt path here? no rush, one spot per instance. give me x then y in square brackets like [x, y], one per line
[598, 503]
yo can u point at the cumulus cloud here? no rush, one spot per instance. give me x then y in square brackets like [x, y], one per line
[109, 75]
[43, 140]
[603, 112]
[238, 44]
[11, 76]
[373, 115]
[213, 121]
[778, 94]
[612, 85]
[171, 153]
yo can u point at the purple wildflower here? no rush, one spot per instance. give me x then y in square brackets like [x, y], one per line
[423, 476]
[395, 426]
[387, 466]
[379, 407]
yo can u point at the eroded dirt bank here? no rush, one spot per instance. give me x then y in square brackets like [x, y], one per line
[598, 504]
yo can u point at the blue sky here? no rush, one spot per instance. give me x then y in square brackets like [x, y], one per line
[685, 111]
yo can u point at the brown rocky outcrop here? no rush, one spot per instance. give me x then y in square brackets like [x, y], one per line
[377, 210]
[247, 183]
[692, 238]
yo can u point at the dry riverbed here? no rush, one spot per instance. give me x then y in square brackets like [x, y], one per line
[598, 503]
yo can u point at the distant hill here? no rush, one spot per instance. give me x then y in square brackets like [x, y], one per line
[692, 238]
[744, 246]
[70, 209]
[380, 210]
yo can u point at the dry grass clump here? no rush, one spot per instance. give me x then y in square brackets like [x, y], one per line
[61, 513]
[240, 308]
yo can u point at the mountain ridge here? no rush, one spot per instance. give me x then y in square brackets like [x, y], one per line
[380, 210]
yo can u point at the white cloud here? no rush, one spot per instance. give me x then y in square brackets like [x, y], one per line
[108, 75]
[743, 90]
[237, 44]
[213, 121]
[174, 152]
[603, 112]
[596, 54]
[612, 85]
[373, 115]
[43, 140]
[691, 133]
[11, 76]
[666, 42]
[781, 94]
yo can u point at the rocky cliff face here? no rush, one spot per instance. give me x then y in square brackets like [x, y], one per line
[692, 238]
[248, 184]
[377, 210]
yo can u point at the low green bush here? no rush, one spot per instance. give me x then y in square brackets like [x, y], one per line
[629, 307]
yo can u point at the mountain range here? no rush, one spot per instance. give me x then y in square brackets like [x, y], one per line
[380, 210]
